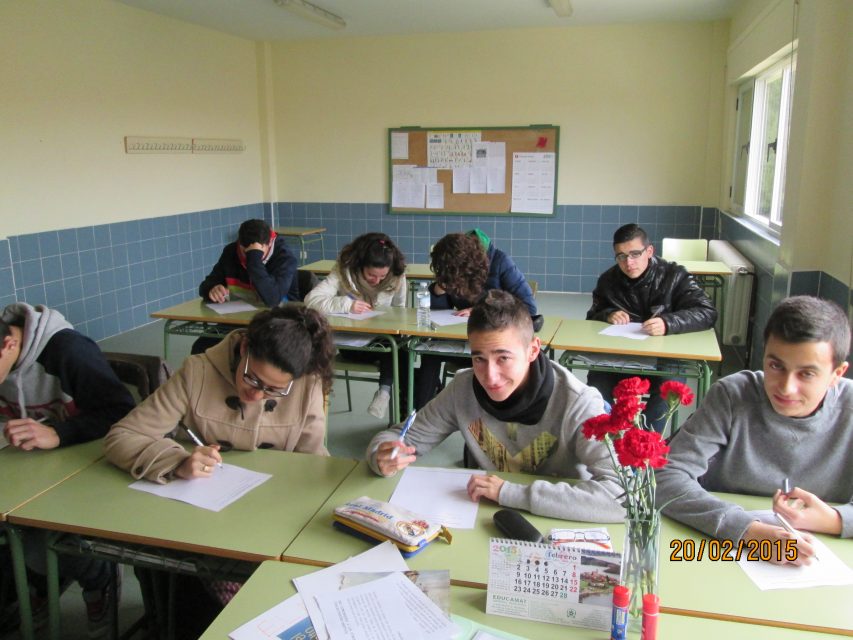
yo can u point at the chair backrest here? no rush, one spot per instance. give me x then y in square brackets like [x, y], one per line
[534, 286]
[685, 249]
[306, 280]
[143, 373]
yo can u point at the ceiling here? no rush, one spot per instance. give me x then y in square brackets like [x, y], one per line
[264, 20]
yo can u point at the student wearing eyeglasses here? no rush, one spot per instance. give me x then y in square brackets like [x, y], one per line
[641, 287]
[260, 388]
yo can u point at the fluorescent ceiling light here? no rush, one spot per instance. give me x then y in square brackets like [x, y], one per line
[313, 12]
[563, 8]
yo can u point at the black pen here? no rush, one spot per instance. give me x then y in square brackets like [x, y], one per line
[196, 439]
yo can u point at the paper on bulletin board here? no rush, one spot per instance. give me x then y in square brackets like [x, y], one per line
[399, 145]
[450, 149]
[435, 196]
[533, 180]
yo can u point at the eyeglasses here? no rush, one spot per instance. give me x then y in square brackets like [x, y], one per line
[252, 381]
[559, 536]
[633, 255]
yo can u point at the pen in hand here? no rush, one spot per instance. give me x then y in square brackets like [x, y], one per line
[403, 433]
[787, 527]
[196, 439]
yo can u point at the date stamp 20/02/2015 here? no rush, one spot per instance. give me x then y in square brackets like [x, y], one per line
[732, 551]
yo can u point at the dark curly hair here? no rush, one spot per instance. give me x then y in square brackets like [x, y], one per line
[461, 265]
[372, 250]
[295, 339]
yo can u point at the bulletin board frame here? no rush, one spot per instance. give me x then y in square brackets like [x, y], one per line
[420, 143]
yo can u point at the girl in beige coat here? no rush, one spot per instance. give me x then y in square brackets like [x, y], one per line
[261, 387]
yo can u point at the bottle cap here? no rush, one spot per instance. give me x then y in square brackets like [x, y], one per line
[651, 603]
[621, 596]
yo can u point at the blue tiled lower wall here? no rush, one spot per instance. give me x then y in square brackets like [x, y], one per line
[564, 252]
[772, 281]
[108, 278]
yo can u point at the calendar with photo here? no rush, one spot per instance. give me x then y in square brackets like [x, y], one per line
[557, 584]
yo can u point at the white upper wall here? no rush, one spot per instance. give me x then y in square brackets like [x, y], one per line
[638, 106]
[79, 75]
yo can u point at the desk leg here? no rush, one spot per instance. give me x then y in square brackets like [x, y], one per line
[410, 392]
[19, 568]
[53, 611]
[395, 391]
[704, 382]
[166, 329]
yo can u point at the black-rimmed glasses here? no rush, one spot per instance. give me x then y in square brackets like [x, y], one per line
[253, 382]
[633, 255]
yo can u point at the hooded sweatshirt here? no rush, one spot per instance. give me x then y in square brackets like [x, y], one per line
[60, 377]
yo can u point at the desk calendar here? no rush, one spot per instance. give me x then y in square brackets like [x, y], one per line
[561, 585]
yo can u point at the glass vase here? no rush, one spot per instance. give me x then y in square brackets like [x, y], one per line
[640, 563]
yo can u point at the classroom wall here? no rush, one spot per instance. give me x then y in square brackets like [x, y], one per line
[813, 254]
[639, 108]
[79, 75]
[633, 104]
[103, 236]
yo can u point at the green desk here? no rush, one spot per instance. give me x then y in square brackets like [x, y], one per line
[24, 475]
[97, 503]
[691, 352]
[194, 318]
[271, 584]
[711, 590]
[723, 590]
[467, 557]
[300, 234]
[710, 275]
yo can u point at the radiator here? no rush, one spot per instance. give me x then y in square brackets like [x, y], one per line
[737, 294]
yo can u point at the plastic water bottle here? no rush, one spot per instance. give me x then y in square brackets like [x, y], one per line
[423, 300]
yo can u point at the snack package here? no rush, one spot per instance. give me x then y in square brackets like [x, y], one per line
[379, 521]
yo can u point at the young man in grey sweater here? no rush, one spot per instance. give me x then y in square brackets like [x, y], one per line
[792, 420]
[517, 411]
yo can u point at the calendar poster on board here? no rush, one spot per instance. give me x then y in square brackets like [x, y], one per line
[556, 584]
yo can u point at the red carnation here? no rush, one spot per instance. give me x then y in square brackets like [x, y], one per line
[673, 391]
[627, 408]
[638, 448]
[630, 387]
[599, 426]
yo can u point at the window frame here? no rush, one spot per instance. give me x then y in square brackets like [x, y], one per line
[785, 70]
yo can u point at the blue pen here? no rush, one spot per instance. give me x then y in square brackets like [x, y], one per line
[403, 433]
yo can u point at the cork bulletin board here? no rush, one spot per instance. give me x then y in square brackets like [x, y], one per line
[465, 170]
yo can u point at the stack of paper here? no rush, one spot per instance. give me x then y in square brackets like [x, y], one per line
[385, 606]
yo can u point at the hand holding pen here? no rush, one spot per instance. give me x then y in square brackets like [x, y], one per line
[391, 456]
[201, 461]
[655, 326]
[358, 306]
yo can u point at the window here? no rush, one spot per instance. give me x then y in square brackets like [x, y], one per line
[761, 143]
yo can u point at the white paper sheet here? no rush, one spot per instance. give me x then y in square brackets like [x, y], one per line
[439, 495]
[462, 180]
[829, 570]
[633, 330]
[285, 621]
[364, 315]
[390, 607]
[631, 362]
[479, 179]
[352, 339]
[445, 317]
[383, 557]
[449, 346]
[233, 306]
[223, 487]
[408, 194]
[435, 196]
[533, 180]
[399, 145]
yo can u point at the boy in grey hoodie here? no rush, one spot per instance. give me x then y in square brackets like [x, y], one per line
[57, 389]
[517, 411]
